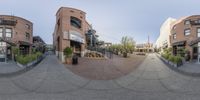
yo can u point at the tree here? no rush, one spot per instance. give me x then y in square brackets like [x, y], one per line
[128, 44]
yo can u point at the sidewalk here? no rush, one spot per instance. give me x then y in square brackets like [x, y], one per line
[9, 67]
[190, 67]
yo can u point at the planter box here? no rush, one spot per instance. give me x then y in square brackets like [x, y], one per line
[20, 65]
[30, 63]
[171, 63]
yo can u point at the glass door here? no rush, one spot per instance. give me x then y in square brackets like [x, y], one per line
[2, 52]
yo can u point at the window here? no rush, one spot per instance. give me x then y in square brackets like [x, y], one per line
[27, 36]
[8, 32]
[28, 26]
[174, 27]
[75, 22]
[187, 32]
[187, 22]
[174, 36]
[198, 32]
[71, 11]
[1, 32]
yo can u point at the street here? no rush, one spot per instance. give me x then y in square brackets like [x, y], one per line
[51, 80]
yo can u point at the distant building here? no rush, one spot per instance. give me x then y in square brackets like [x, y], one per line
[14, 31]
[163, 40]
[39, 44]
[145, 47]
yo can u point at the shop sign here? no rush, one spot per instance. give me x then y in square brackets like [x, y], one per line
[76, 36]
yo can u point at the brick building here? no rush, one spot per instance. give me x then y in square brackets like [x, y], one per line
[14, 31]
[70, 31]
[185, 35]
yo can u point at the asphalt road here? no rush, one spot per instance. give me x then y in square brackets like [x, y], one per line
[51, 80]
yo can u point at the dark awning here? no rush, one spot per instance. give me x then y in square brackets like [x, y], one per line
[194, 41]
[25, 43]
[9, 42]
[179, 43]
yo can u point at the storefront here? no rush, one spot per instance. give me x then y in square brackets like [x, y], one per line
[5, 52]
[2, 52]
[76, 42]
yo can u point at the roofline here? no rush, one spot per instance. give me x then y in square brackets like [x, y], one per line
[183, 18]
[69, 8]
[17, 17]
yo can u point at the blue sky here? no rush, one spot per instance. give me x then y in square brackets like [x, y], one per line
[112, 19]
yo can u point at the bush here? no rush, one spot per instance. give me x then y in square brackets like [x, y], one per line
[68, 52]
[166, 56]
[25, 59]
[38, 54]
[15, 50]
[177, 59]
[171, 58]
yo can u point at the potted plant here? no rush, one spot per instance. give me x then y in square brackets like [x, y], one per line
[68, 55]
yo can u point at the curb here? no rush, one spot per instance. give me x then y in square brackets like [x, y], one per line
[179, 71]
[21, 71]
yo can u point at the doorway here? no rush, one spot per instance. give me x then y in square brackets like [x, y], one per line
[76, 47]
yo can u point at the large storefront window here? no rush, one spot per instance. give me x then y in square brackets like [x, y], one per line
[2, 51]
[1, 32]
[75, 22]
[8, 32]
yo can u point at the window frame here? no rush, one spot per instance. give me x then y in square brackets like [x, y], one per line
[27, 35]
[185, 23]
[1, 32]
[198, 31]
[174, 36]
[186, 33]
[28, 26]
[6, 33]
[75, 19]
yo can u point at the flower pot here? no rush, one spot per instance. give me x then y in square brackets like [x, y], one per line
[125, 55]
[68, 60]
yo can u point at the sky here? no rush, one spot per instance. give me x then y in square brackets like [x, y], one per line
[112, 19]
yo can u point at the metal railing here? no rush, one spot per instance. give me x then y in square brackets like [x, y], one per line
[103, 51]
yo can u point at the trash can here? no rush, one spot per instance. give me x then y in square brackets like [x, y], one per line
[75, 60]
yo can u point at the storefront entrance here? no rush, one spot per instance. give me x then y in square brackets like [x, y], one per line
[2, 52]
[5, 52]
[76, 47]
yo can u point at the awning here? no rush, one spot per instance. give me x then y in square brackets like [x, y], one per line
[179, 43]
[25, 43]
[9, 42]
[194, 42]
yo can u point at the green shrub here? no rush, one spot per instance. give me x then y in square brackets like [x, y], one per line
[177, 59]
[68, 52]
[22, 59]
[171, 58]
[15, 50]
[38, 54]
[25, 59]
[166, 56]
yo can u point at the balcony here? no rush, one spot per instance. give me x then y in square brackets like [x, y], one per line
[8, 22]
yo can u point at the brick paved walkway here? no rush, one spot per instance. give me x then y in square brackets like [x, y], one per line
[106, 69]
